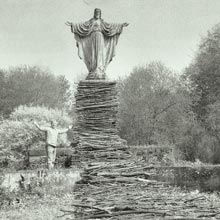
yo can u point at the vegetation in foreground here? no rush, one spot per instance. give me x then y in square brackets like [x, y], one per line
[33, 207]
[40, 196]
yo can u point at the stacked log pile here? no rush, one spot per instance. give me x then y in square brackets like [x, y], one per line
[116, 182]
[96, 108]
[124, 190]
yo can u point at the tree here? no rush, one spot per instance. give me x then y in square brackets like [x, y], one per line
[204, 72]
[4, 101]
[154, 106]
[203, 75]
[34, 86]
[212, 126]
[64, 93]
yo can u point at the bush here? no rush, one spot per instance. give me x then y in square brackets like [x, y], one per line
[188, 144]
[42, 115]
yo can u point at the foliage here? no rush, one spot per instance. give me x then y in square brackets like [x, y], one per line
[35, 188]
[203, 77]
[40, 114]
[213, 118]
[32, 85]
[204, 72]
[212, 127]
[15, 137]
[153, 155]
[4, 101]
[155, 107]
[188, 146]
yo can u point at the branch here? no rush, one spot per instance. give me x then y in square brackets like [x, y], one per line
[164, 109]
[126, 213]
[91, 207]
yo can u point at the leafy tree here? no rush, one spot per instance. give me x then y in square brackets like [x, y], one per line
[204, 72]
[34, 86]
[154, 106]
[4, 101]
[211, 125]
[203, 75]
[64, 92]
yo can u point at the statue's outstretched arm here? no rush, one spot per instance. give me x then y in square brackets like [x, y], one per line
[69, 23]
[125, 24]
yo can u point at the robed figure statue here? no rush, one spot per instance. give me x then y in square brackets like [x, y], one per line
[96, 42]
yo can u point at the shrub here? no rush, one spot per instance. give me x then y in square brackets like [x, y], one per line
[42, 115]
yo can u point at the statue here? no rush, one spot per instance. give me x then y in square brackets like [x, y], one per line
[96, 42]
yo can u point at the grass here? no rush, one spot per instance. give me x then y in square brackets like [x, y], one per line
[43, 199]
[35, 208]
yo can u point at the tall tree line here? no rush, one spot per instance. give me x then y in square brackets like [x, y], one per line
[32, 85]
[160, 107]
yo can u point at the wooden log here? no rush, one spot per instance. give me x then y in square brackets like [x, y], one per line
[132, 212]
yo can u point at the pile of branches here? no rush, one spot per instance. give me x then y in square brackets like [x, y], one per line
[126, 189]
[96, 108]
[116, 182]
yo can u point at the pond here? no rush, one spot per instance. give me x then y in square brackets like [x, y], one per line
[202, 178]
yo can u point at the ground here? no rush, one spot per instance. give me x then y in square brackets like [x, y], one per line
[159, 199]
[35, 208]
[116, 189]
[40, 196]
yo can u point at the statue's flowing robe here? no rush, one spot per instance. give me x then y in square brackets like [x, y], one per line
[96, 42]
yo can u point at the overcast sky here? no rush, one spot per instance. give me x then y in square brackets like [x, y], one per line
[33, 32]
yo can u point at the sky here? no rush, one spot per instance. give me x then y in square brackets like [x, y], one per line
[34, 32]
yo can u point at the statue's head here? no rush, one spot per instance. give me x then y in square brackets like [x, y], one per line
[97, 13]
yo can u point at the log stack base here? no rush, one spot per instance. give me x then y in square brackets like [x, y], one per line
[97, 108]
